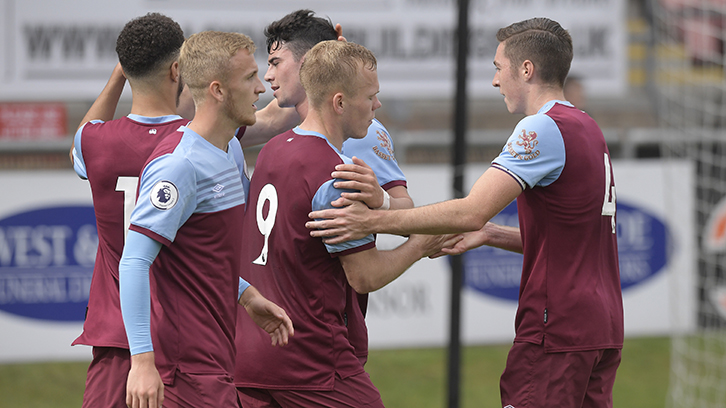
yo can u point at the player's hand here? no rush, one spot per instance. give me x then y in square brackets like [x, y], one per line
[269, 316]
[338, 225]
[144, 388]
[339, 31]
[360, 177]
[469, 240]
[433, 244]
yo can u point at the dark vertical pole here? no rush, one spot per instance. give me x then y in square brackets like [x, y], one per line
[458, 161]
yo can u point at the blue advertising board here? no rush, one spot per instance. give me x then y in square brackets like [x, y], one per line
[46, 262]
[642, 249]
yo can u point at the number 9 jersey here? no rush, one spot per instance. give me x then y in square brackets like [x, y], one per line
[294, 270]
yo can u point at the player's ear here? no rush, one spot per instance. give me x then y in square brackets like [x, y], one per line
[216, 91]
[527, 70]
[338, 103]
[174, 71]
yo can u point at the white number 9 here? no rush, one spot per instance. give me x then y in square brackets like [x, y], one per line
[265, 225]
[608, 205]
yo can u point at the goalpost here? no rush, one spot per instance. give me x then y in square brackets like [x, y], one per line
[689, 84]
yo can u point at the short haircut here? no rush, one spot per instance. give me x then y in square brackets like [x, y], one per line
[542, 41]
[333, 66]
[206, 57]
[148, 44]
[300, 31]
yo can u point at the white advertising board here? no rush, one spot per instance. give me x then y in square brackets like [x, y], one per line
[65, 50]
[47, 247]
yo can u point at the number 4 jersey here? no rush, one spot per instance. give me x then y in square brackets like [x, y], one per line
[569, 296]
[111, 155]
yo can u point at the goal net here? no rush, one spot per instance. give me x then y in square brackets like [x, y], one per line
[689, 84]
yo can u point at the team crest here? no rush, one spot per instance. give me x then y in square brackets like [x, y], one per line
[164, 195]
[528, 141]
[384, 149]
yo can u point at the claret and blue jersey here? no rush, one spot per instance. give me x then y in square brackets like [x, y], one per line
[570, 297]
[191, 203]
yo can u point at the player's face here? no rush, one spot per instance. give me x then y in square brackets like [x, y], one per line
[361, 109]
[507, 79]
[244, 87]
[283, 74]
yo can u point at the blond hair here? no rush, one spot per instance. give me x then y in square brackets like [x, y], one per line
[206, 57]
[331, 67]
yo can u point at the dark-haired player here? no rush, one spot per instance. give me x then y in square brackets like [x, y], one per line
[374, 172]
[569, 324]
[110, 155]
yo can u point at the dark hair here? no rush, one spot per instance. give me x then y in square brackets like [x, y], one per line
[542, 41]
[148, 43]
[300, 30]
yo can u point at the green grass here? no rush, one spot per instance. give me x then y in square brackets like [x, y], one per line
[406, 378]
[417, 378]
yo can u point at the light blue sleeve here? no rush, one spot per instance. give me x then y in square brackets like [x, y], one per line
[535, 151]
[243, 285]
[79, 164]
[134, 290]
[376, 150]
[322, 199]
[236, 149]
[167, 196]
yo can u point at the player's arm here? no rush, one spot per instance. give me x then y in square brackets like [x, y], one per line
[144, 386]
[271, 121]
[266, 314]
[104, 107]
[491, 193]
[361, 178]
[370, 270]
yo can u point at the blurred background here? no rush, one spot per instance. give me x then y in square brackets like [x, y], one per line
[650, 72]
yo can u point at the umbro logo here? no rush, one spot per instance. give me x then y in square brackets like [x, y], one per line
[218, 188]
[509, 406]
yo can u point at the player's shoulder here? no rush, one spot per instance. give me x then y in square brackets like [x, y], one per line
[377, 126]
[538, 124]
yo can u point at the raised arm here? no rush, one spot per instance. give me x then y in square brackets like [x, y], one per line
[104, 107]
[271, 121]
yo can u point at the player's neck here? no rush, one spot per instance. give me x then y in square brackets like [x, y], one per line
[216, 128]
[541, 96]
[302, 109]
[152, 104]
[317, 122]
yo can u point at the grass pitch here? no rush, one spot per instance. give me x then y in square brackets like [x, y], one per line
[406, 378]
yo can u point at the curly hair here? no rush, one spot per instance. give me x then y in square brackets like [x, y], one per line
[300, 31]
[148, 43]
[542, 41]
